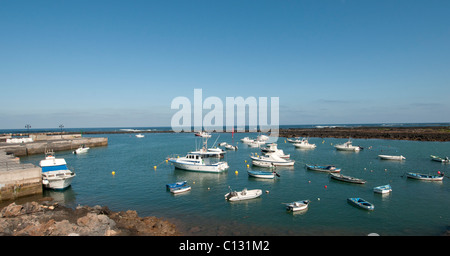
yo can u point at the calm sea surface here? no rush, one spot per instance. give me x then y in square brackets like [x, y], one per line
[413, 208]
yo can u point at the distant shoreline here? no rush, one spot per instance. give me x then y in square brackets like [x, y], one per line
[419, 133]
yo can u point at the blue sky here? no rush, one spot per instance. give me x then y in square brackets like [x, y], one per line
[120, 63]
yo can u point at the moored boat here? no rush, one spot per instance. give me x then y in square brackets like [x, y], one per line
[140, 135]
[231, 147]
[389, 157]
[347, 146]
[383, 189]
[243, 195]
[81, 150]
[262, 174]
[361, 203]
[270, 160]
[297, 206]
[304, 144]
[445, 160]
[179, 190]
[425, 177]
[194, 162]
[338, 176]
[176, 184]
[327, 168]
[55, 174]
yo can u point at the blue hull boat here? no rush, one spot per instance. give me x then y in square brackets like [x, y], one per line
[356, 201]
[176, 184]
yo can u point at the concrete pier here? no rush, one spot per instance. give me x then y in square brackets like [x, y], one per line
[16, 179]
[42, 142]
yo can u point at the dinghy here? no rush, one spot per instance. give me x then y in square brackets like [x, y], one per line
[445, 160]
[383, 189]
[262, 174]
[179, 190]
[176, 184]
[243, 195]
[361, 203]
[297, 206]
[426, 177]
[387, 157]
[327, 168]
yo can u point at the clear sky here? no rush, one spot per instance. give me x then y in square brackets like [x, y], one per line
[92, 63]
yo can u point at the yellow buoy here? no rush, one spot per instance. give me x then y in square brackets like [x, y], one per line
[245, 161]
[248, 166]
[167, 160]
[154, 167]
[236, 172]
[113, 173]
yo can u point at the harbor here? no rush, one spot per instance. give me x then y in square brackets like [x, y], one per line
[132, 173]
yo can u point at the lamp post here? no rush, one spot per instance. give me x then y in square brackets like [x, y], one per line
[28, 128]
[61, 126]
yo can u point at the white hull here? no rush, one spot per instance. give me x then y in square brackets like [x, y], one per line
[271, 160]
[387, 157]
[305, 146]
[382, 189]
[347, 148]
[180, 190]
[57, 180]
[219, 167]
[81, 151]
[297, 206]
[243, 195]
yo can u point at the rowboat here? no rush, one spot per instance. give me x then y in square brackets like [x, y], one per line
[243, 195]
[328, 168]
[388, 157]
[262, 174]
[440, 159]
[419, 176]
[176, 184]
[383, 189]
[341, 177]
[179, 190]
[297, 206]
[361, 203]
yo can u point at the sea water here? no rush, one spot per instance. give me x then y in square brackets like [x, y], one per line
[412, 208]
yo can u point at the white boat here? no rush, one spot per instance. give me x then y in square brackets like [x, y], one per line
[388, 157]
[231, 147]
[55, 174]
[243, 195]
[209, 152]
[270, 160]
[347, 146]
[247, 140]
[383, 189]
[262, 137]
[445, 160]
[179, 190]
[195, 162]
[262, 174]
[304, 144]
[297, 206]
[419, 176]
[81, 150]
[273, 149]
[140, 135]
[295, 140]
[203, 134]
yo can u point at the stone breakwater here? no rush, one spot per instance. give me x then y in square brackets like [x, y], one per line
[47, 218]
[438, 133]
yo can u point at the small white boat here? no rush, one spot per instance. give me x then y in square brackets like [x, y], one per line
[304, 144]
[295, 140]
[203, 134]
[383, 189]
[297, 206]
[231, 147]
[55, 174]
[445, 160]
[179, 190]
[262, 174]
[243, 195]
[247, 140]
[425, 177]
[140, 135]
[388, 157]
[195, 162]
[347, 146]
[273, 149]
[271, 160]
[81, 150]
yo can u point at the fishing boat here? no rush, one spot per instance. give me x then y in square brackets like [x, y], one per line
[445, 160]
[297, 206]
[243, 195]
[327, 168]
[388, 157]
[270, 160]
[383, 189]
[247, 140]
[55, 174]
[179, 190]
[140, 135]
[273, 149]
[426, 177]
[344, 178]
[195, 162]
[81, 150]
[295, 140]
[262, 174]
[347, 146]
[176, 184]
[361, 203]
[304, 144]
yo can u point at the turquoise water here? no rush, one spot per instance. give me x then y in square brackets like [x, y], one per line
[413, 208]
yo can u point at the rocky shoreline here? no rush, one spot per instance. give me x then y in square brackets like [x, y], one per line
[430, 133]
[48, 218]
